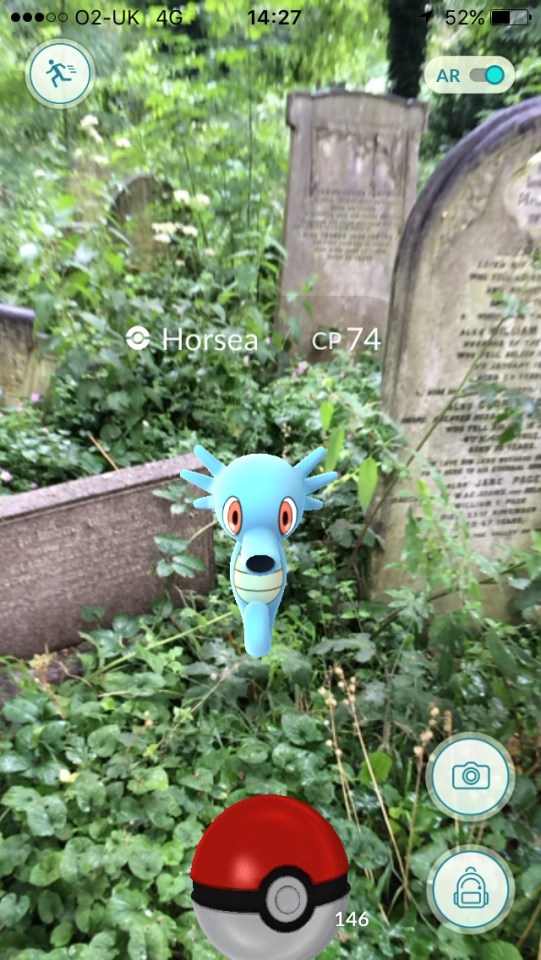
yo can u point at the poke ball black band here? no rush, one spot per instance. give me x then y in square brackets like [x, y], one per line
[274, 900]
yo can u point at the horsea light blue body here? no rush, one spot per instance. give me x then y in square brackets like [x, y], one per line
[259, 500]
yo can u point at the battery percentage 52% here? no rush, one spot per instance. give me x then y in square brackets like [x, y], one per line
[465, 18]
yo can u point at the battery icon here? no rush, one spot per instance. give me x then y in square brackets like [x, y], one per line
[510, 18]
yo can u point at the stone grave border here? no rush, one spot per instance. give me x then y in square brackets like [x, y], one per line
[90, 542]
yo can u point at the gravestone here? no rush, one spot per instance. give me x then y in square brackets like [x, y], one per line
[90, 542]
[470, 240]
[352, 181]
[24, 368]
[88, 183]
[133, 213]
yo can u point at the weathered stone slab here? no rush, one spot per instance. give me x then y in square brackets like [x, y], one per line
[134, 212]
[470, 240]
[89, 184]
[89, 542]
[24, 369]
[352, 181]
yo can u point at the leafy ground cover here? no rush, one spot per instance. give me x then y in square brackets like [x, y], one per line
[108, 780]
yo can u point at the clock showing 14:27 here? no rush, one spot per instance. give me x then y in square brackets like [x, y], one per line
[284, 17]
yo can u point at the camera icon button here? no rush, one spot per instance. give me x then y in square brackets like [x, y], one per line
[470, 776]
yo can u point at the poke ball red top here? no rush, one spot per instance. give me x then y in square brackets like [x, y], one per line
[262, 834]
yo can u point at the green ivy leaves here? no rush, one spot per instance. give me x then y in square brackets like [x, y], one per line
[367, 481]
[500, 951]
[13, 909]
[179, 560]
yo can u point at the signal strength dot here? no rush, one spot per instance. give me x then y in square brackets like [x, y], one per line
[27, 17]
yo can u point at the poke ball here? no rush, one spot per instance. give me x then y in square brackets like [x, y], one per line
[269, 876]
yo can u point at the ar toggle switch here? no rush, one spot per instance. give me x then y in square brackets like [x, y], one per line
[495, 75]
[469, 74]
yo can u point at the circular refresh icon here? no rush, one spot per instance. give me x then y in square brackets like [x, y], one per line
[60, 73]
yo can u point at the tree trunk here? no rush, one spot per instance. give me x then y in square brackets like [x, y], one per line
[406, 47]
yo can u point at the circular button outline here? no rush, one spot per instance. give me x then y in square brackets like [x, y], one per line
[67, 42]
[495, 807]
[440, 863]
[501, 74]
[280, 885]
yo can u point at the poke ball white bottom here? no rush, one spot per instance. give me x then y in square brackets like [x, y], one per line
[245, 936]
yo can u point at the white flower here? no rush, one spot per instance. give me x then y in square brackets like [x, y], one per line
[28, 251]
[209, 251]
[202, 198]
[123, 143]
[101, 160]
[168, 227]
[65, 776]
[97, 137]
[38, 174]
[182, 196]
[89, 121]
[189, 230]
[162, 238]
[180, 263]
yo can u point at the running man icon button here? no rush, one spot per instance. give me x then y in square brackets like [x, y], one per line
[470, 889]
[60, 73]
[470, 776]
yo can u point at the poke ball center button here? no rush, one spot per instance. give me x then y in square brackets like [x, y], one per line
[269, 876]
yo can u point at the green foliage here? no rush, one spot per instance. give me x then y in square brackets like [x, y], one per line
[32, 452]
[367, 479]
[452, 117]
[512, 408]
[108, 780]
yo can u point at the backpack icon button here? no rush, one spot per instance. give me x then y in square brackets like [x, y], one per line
[471, 890]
